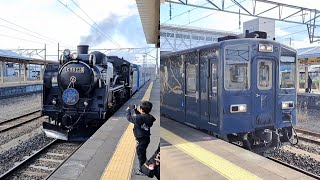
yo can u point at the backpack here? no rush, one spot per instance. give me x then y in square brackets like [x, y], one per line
[152, 166]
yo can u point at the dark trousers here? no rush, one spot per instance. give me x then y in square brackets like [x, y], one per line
[157, 172]
[142, 144]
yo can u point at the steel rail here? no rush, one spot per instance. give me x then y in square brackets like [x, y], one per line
[295, 168]
[19, 124]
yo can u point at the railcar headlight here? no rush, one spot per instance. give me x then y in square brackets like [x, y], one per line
[287, 105]
[265, 47]
[74, 56]
[54, 102]
[66, 52]
[235, 108]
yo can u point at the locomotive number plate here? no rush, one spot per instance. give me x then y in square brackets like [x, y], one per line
[75, 69]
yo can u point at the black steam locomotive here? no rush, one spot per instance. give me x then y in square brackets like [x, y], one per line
[83, 91]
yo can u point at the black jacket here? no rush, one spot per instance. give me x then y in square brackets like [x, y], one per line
[142, 123]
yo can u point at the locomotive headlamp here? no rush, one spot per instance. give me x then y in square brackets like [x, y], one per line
[265, 48]
[85, 103]
[54, 102]
[66, 52]
[287, 105]
[74, 56]
[235, 108]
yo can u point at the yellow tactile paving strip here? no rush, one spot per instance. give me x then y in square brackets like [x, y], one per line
[120, 165]
[218, 164]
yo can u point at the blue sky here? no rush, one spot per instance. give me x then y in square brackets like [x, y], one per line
[230, 22]
[51, 19]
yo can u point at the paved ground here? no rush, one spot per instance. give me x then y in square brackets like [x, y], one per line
[189, 154]
[91, 160]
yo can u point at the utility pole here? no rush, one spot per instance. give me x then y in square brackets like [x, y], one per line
[157, 66]
[144, 61]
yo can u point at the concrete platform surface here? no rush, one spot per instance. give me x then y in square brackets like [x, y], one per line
[95, 157]
[187, 153]
[17, 83]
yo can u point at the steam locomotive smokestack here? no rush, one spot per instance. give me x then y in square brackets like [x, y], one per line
[82, 49]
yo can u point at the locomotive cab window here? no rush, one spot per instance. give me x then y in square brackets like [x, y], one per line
[236, 67]
[287, 72]
[264, 75]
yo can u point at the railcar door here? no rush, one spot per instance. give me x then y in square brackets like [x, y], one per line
[264, 88]
[191, 91]
[213, 92]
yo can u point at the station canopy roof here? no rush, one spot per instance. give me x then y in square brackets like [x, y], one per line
[308, 53]
[9, 55]
[149, 11]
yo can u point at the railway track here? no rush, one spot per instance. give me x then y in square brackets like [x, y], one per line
[18, 121]
[308, 136]
[42, 163]
[295, 168]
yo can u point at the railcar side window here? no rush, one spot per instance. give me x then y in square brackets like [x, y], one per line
[236, 67]
[191, 77]
[287, 72]
[264, 75]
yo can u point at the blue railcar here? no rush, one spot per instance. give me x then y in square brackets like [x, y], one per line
[141, 77]
[135, 79]
[241, 90]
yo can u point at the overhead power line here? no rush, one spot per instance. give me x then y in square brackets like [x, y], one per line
[20, 39]
[209, 15]
[86, 21]
[108, 36]
[31, 31]
[24, 33]
[184, 13]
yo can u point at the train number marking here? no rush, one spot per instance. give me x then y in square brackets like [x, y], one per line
[75, 69]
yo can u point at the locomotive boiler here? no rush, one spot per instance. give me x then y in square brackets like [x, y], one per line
[80, 94]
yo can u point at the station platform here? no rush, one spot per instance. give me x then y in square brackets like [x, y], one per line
[12, 89]
[21, 83]
[187, 153]
[110, 152]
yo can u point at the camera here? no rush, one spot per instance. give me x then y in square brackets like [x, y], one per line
[132, 106]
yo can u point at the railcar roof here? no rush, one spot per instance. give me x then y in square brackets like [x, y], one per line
[218, 44]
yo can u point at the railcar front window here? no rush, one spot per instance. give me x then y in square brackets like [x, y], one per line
[214, 78]
[287, 72]
[236, 67]
[265, 75]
